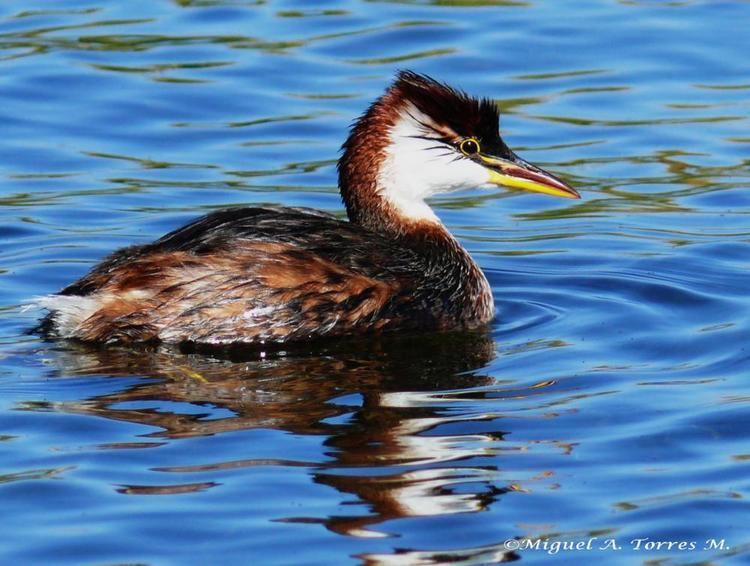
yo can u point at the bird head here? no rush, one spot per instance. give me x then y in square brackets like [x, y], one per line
[423, 138]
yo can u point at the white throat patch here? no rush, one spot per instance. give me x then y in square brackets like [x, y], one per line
[418, 164]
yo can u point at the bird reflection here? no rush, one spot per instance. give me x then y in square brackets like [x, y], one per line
[384, 391]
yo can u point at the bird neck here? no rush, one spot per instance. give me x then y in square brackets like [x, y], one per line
[379, 196]
[451, 271]
[412, 224]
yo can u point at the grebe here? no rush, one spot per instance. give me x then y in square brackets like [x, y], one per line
[278, 275]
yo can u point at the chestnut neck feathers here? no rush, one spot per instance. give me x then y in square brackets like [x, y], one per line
[405, 149]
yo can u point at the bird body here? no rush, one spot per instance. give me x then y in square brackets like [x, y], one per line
[280, 275]
[272, 275]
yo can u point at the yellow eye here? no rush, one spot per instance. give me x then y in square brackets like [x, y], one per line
[469, 146]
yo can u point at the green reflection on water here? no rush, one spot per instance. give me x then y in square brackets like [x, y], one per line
[42, 474]
[322, 96]
[559, 75]
[150, 163]
[301, 167]
[310, 13]
[649, 122]
[509, 105]
[31, 176]
[160, 67]
[404, 57]
[51, 29]
[272, 119]
[256, 122]
[70, 12]
[38, 41]
[723, 87]
[208, 3]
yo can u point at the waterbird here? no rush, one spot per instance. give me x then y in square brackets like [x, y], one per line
[278, 275]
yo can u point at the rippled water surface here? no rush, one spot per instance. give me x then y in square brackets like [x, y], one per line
[609, 399]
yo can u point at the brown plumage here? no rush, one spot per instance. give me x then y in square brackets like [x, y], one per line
[278, 275]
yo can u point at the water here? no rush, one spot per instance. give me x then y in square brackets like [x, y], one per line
[608, 400]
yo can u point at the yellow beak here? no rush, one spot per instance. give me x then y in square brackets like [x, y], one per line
[516, 173]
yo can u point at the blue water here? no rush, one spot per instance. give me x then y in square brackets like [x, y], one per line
[610, 398]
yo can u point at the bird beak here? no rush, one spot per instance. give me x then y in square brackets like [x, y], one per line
[516, 173]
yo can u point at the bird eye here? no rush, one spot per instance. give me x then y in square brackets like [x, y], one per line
[469, 146]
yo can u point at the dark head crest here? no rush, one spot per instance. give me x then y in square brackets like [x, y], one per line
[464, 114]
